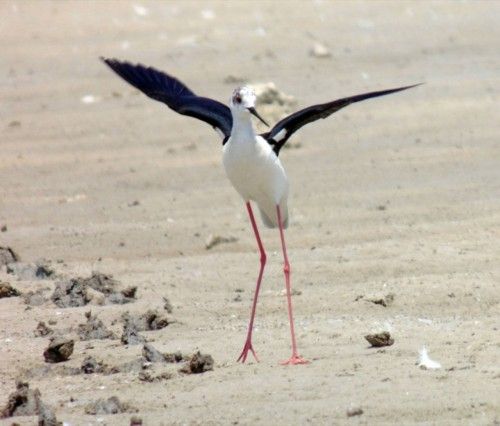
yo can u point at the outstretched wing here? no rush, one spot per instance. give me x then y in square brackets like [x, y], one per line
[167, 89]
[280, 133]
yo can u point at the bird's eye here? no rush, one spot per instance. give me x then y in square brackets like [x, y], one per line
[237, 99]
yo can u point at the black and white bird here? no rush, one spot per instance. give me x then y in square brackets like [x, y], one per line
[251, 161]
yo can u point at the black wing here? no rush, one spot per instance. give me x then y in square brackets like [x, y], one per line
[167, 89]
[280, 133]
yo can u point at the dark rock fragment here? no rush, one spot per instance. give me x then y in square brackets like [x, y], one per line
[6, 290]
[198, 363]
[59, 350]
[379, 340]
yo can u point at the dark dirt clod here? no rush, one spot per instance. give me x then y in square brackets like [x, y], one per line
[354, 411]
[107, 406]
[151, 354]
[106, 284]
[130, 292]
[155, 321]
[90, 365]
[70, 293]
[94, 329]
[385, 301]
[146, 376]
[199, 363]
[75, 291]
[135, 421]
[175, 357]
[130, 335]
[59, 350]
[22, 402]
[7, 255]
[379, 340]
[40, 270]
[6, 290]
[42, 330]
[150, 320]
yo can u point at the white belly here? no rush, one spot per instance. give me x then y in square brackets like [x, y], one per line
[258, 175]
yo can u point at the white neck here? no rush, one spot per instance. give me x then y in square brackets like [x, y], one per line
[242, 124]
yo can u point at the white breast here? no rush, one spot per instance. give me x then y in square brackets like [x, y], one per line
[257, 174]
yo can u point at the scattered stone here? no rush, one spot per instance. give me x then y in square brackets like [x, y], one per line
[70, 293]
[39, 270]
[174, 357]
[379, 340]
[135, 421]
[6, 290]
[146, 376]
[78, 291]
[319, 50]
[22, 402]
[106, 284]
[131, 336]
[107, 406]
[354, 411]
[385, 301]
[151, 320]
[43, 330]
[130, 292]
[198, 363]
[59, 350]
[151, 354]
[215, 240]
[3, 228]
[94, 329]
[90, 366]
[35, 298]
[237, 298]
[7, 255]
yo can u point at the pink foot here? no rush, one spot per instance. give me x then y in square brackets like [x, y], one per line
[295, 360]
[244, 352]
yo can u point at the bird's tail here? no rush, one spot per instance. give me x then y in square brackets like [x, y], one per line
[273, 223]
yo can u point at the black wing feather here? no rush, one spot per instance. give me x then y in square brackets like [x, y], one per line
[176, 95]
[295, 121]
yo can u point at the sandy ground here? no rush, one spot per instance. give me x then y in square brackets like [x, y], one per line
[396, 195]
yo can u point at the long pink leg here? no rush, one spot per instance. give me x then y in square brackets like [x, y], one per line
[248, 343]
[295, 358]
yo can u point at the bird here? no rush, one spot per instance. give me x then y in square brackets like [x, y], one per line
[251, 161]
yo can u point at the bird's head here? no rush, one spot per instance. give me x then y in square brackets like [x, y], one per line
[243, 102]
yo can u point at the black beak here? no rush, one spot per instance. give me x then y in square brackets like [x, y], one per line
[254, 112]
